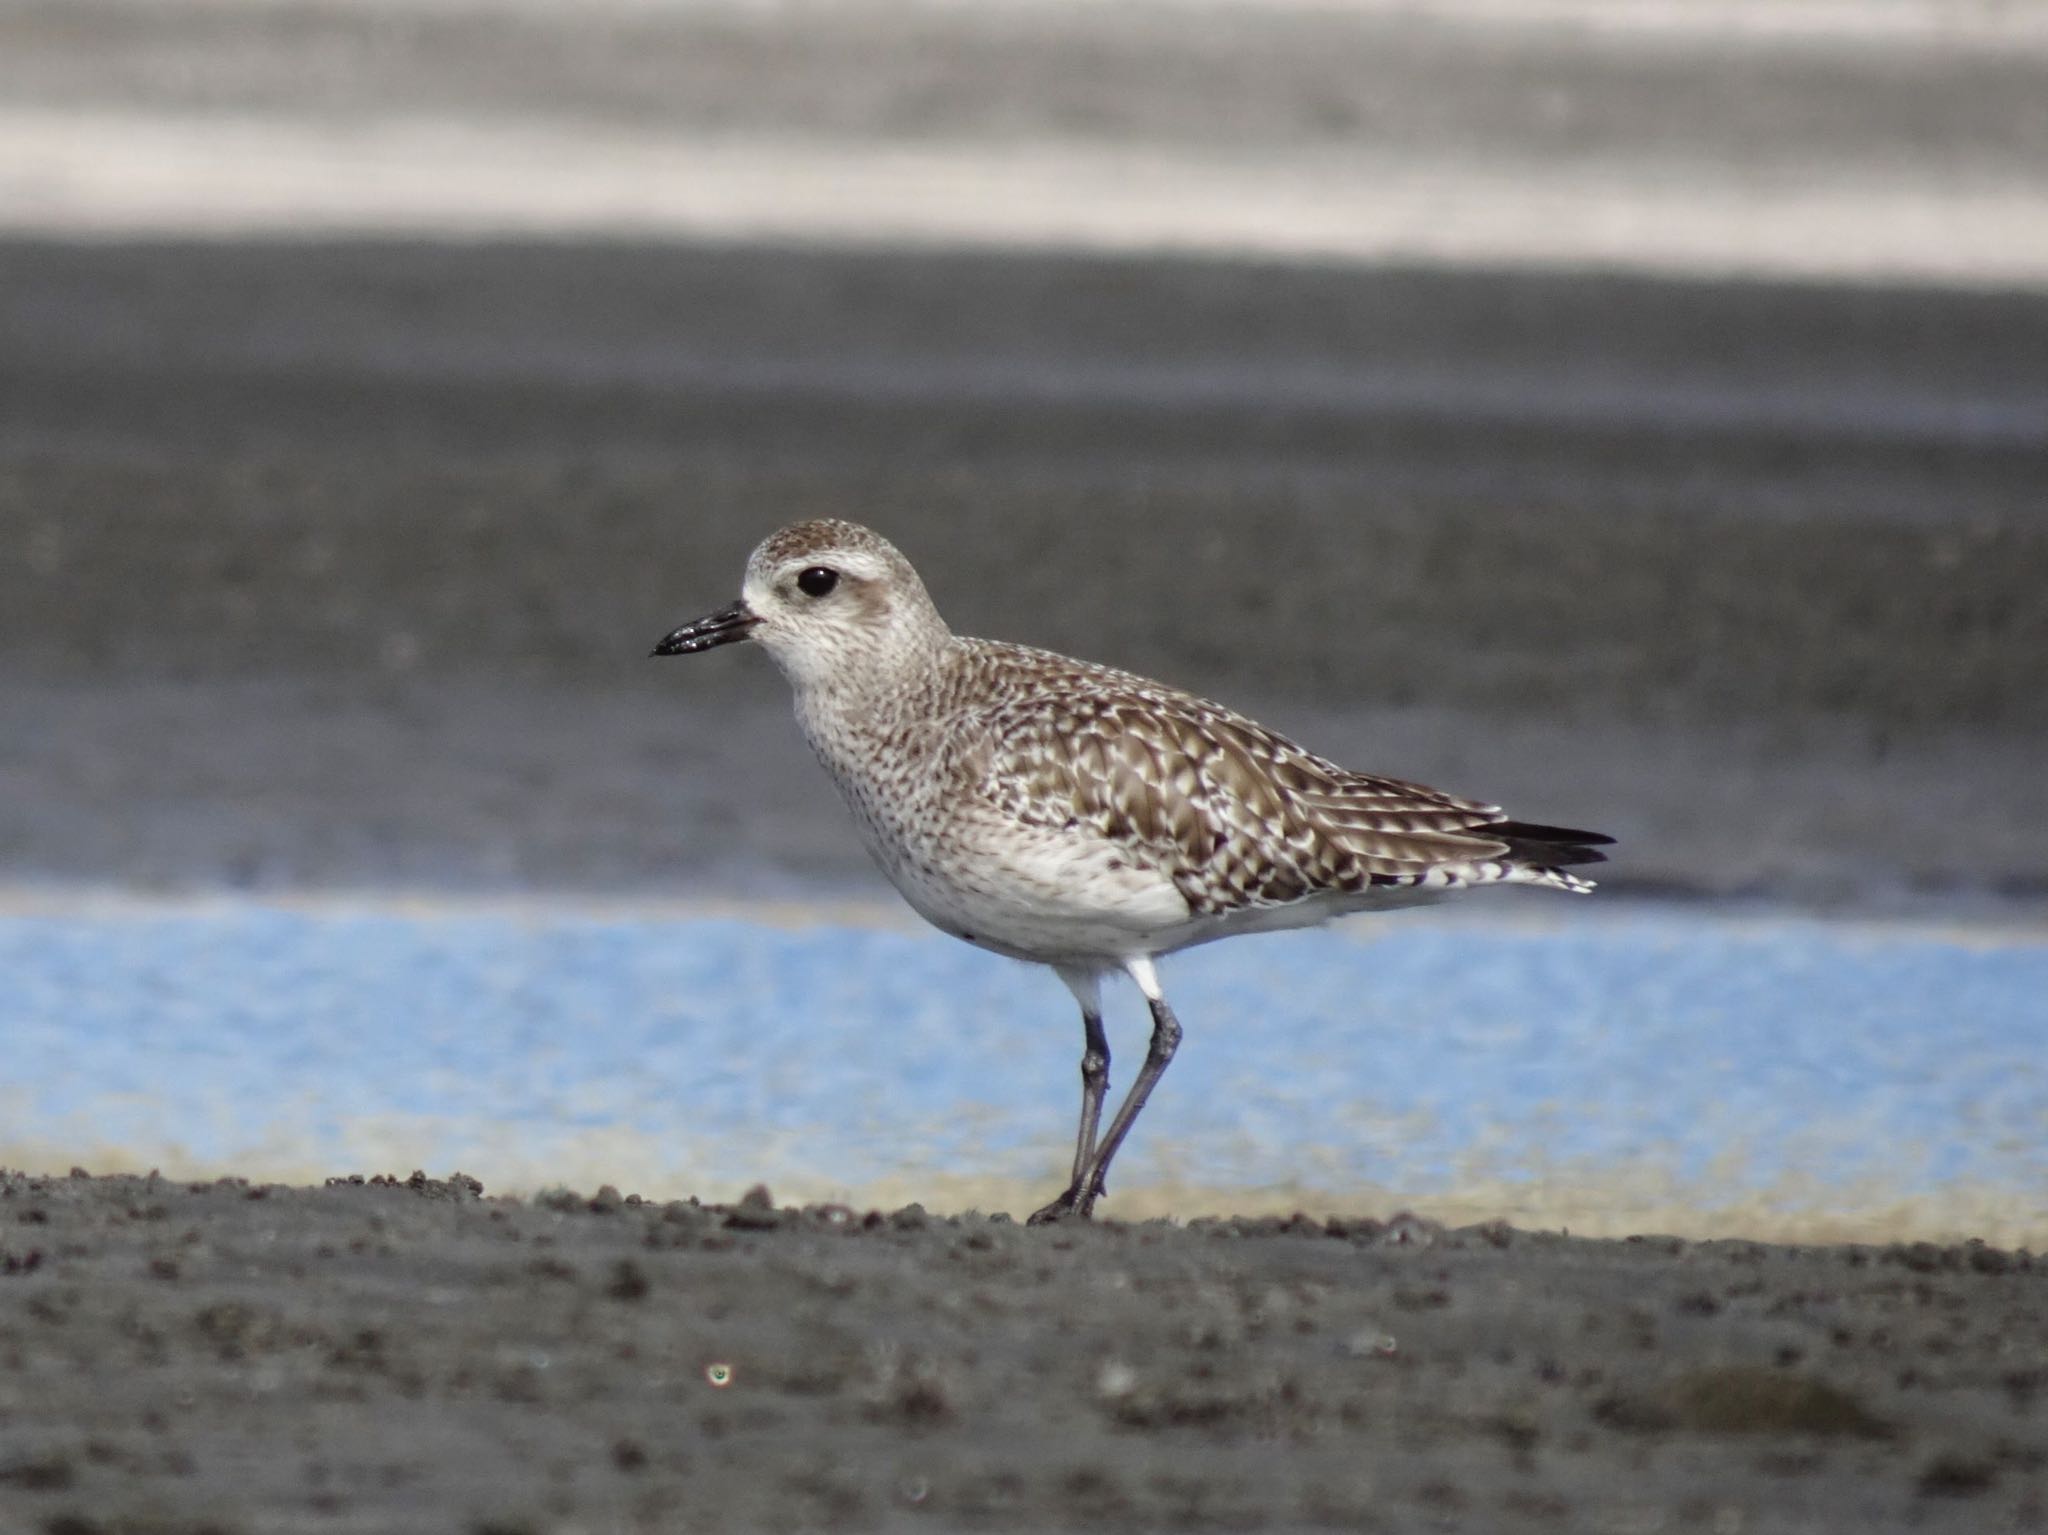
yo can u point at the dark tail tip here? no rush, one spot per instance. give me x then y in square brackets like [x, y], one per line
[1551, 846]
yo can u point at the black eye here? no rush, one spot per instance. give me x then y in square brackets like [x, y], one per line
[817, 581]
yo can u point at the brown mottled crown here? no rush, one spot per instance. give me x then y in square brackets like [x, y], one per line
[819, 536]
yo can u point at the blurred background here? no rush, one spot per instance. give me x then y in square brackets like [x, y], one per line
[1634, 411]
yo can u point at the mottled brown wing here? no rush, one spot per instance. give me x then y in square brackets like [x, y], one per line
[1234, 814]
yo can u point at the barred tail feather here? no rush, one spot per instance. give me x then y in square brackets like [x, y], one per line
[1553, 879]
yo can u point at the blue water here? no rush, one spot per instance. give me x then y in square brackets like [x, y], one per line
[1416, 1054]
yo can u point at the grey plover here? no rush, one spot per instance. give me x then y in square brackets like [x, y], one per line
[1081, 817]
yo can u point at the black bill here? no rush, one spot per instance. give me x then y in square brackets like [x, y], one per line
[709, 632]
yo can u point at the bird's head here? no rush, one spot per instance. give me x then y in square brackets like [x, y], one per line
[831, 601]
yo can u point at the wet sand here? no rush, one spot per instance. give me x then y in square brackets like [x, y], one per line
[408, 1354]
[369, 540]
[362, 512]
[362, 515]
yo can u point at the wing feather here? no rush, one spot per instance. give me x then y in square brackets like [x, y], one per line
[1235, 814]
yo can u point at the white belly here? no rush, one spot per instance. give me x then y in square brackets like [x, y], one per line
[1030, 892]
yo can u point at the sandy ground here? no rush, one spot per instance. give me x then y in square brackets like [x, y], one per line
[361, 1357]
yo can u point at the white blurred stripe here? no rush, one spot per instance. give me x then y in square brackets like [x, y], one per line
[118, 175]
[2003, 24]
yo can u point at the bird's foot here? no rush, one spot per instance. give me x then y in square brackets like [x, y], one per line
[1070, 1206]
[1065, 1208]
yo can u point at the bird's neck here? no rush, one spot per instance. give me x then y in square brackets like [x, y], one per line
[858, 711]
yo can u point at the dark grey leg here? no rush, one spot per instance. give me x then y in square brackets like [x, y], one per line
[1094, 1083]
[1087, 989]
[1089, 1182]
[1158, 1055]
